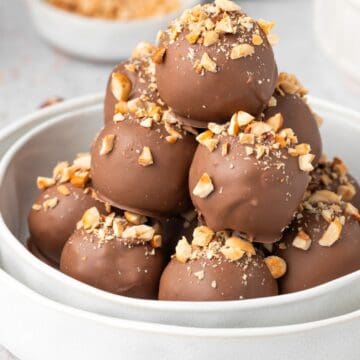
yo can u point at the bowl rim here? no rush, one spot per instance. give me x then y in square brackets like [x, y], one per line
[86, 20]
[164, 329]
[87, 103]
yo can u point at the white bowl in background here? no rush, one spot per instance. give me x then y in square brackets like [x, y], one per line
[63, 136]
[93, 38]
[36, 328]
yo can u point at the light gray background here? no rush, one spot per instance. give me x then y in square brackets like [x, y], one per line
[31, 71]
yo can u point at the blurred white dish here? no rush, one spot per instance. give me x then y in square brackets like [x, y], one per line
[63, 136]
[96, 39]
[36, 328]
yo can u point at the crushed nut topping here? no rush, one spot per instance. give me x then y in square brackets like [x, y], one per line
[276, 265]
[302, 241]
[145, 158]
[332, 233]
[288, 83]
[120, 86]
[204, 186]
[107, 144]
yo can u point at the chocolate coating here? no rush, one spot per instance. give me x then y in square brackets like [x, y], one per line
[114, 266]
[244, 84]
[156, 190]
[318, 264]
[255, 197]
[37, 253]
[244, 279]
[297, 116]
[50, 229]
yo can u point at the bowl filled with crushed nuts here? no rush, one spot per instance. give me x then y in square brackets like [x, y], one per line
[99, 30]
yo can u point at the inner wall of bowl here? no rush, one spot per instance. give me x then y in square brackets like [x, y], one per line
[59, 141]
[62, 140]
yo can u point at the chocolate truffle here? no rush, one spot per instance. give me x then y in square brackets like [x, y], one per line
[216, 268]
[60, 205]
[322, 243]
[37, 253]
[334, 176]
[119, 254]
[289, 101]
[215, 61]
[249, 180]
[143, 169]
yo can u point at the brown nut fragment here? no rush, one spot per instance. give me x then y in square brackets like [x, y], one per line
[347, 192]
[204, 186]
[276, 265]
[183, 250]
[257, 39]
[233, 249]
[227, 5]
[305, 162]
[145, 158]
[302, 241]
[266, 26]
[202, 236]
[80, 178]
[142, 232]
[242, 50]
[36, 207]
[207, 63]
[134, 219]
[63, 190]
[156, 242]
[324, 196]
[332, 233]
[107, 144]
[352, 211]
[91, 218]
[206, 139]
[44, 182]
[121, 86]
[118, 227]
[50, 203]
[158, 56]
[276, 122]
[210, 38]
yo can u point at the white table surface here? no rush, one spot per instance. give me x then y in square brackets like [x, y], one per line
[31, 71]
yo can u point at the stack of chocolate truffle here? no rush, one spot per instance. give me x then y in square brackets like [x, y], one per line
[207, 181]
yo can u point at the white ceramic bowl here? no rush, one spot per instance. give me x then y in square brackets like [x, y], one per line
[36, 328]
[92, 38]
[64, 135]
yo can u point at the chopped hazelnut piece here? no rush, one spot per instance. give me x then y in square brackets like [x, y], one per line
[156, 241]
[242, 50]
[206, 139]
[302, 241]
[340, 167]
[347, 192]
[266, 26]
[193, 37]
[80, 178]
[50, 203]
[332, 233]
[276, 265]
[118, 117]
[118, 227]
[216, 128]
[207, 63]
[247, 138]
[227, 5]
[44, 182]
[134, 219]
[63, 190]
[210, 38]
[142, 232]
[259, 128]
[202, 236]
[145, 158]
[249, 150]
[224, 149]
[272, 102]
[204, 186]
[120, 86]
[183, 251]
[107, 144]
[83, 161]
[158, 56]
[91, 218]
[146, 123]
[121, 108]
[199, 274]
[324, 196]
[276, 122]
[243, 118]
[352, 211]
[305, 162]
[235, 248]
[213, 284]
[257, 39]
[36, 207]
[233, 126]
[225, 26]
[290, 84]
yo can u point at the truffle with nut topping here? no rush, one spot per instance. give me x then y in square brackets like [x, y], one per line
[143, 169]
[63, 199]
[116, 253]
[322, 243]
[289, 101]
[216, 267]
[249, 176]
[334, 176]
[216, 60]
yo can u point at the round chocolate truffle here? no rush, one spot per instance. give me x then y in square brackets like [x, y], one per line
[59, 207]
[215, 61]
[322, 243]
[334, 176]
[37, 253]
[296, 115]
[143, 169]
[114, 255]
[249, 183]
[220, 270]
